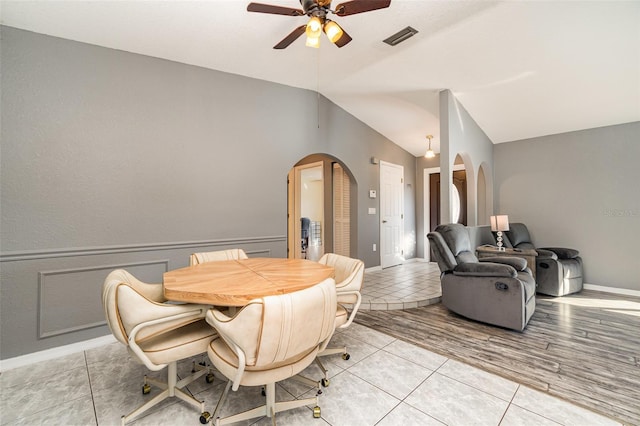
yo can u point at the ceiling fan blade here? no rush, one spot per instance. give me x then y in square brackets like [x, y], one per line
[276, 10]
[359, 6]
[343, 40]
[293, 35]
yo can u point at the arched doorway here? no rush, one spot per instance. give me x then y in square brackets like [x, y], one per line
[321, 206]
[459, 193]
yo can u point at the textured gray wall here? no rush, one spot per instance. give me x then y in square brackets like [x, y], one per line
[114, 159]
[578, 190]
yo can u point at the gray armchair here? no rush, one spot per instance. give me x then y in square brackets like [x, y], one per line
[498, 290]
[558, 270]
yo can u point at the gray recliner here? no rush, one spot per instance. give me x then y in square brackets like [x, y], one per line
[558, 270]
[497, 290]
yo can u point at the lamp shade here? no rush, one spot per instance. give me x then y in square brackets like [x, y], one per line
[314, 27]
[333, 31]
[429, 153]
[500, 223]
[313, 42]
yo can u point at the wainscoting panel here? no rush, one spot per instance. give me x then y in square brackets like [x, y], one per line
[58, 288]
[53, 298]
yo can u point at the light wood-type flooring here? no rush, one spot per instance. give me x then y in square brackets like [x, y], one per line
[584, 348]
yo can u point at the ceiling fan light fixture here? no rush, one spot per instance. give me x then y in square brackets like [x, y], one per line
[333, 31]
[314, 28]
[313, 42]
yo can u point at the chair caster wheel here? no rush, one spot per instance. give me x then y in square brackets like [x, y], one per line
[205, 417]
[346, 356]
[324, 382]
[146, 389]
[316, 412]
[263, 392]
[209, 378]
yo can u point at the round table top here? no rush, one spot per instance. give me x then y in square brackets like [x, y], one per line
[236, 282]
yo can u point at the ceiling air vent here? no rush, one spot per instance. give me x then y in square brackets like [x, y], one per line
[400, 36]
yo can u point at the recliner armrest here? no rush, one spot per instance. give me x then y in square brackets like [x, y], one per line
[518, 263]
[485, 269]
[563, 253]
[544, 254]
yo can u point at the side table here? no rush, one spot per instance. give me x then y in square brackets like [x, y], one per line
[527, 254]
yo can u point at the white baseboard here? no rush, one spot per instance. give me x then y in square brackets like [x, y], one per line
[416, 259]
[21, 361]
[412, 260]
[614, 290]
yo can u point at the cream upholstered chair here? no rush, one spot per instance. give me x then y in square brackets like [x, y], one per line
[212, 256]
[269, 340]
[349, 276]
[157, 334]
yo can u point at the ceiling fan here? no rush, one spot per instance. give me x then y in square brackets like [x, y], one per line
[317, 11]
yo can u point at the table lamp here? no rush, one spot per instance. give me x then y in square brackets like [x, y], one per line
[498, 224]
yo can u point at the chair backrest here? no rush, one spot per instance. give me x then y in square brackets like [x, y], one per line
[481, 235]
[451, 246]
[446, 261]
[348, 272]
[128, 302]
[456, 237]
[213, 256]
[518, 236]
[277, 330]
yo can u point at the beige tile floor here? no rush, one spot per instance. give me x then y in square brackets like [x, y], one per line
[407, 286]
[386, 382]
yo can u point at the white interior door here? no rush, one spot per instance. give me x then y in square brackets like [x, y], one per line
[391, 214]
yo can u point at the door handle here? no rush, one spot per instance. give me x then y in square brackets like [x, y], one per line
[384, 221]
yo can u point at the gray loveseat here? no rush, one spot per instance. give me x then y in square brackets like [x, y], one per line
[499, 290]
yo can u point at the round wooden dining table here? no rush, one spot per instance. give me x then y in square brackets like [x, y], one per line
[236, 282]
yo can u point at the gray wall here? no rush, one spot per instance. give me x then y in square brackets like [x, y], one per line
[111, 159]
[578, 190]
[459, 135]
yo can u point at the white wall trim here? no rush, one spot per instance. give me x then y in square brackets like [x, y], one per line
[614, 290]
[99, 250]
[412, 260]
[48, 354]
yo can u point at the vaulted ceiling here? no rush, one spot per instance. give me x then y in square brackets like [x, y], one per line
[521, 69]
